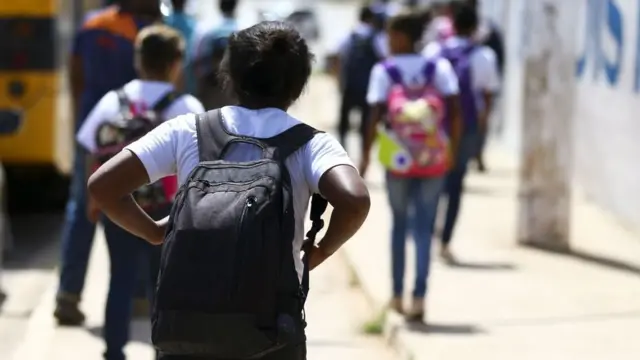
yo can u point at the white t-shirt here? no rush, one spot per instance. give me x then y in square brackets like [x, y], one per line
[411, 67]
[143, 95]
[484, 65]
[173, 148]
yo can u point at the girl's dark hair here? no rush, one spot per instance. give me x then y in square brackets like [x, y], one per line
[366, 13]
[465, 19]
[409, 23]
[426, 15]
[267, 65]
[178, 5]
[227, 7]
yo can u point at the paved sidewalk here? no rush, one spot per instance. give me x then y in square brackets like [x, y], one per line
[335, 312]
[506, 302]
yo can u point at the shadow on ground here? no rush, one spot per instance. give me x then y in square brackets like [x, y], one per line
[35, 243]
[140, 331]
[482, 266]
[447, 329]
[594, 259]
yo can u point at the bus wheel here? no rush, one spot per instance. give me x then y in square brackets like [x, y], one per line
[35, 189]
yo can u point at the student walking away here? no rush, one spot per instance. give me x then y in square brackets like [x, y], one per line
[101, 60]
[208, 51]
[358, 53]
[122, 116]
[488, 34]
[186, 24]
[478, 77]
[233, 283]
[414, 147]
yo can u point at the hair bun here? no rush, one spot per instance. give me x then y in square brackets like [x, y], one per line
[279, 45]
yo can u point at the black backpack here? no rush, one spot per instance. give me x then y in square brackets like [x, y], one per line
[495, 41]
[360, 58]
[112, 136]
[228, 286]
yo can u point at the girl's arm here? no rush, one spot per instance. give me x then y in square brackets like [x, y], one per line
[111, 187]
[379, 85]
[456, 127]
[371, 130]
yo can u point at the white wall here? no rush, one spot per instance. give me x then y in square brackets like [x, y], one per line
[607, 116]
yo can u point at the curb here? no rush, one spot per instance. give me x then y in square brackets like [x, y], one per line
[41, 328]
[393, 323]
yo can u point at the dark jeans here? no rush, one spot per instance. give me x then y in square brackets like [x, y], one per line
[350, 103]
[454, 184]
[298, 352]
[126, 254]
[417, 197]
[77, 233]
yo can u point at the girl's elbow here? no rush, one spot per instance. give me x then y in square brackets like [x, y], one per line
[96, 188]
[357, 202]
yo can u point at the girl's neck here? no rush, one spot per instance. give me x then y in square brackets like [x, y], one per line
[256, 106]
[404, 52]
[150, 78]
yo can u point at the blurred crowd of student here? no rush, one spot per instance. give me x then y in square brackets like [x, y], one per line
[424, 82]
[128, 57]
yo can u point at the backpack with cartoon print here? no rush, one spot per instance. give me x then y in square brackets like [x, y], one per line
[413, 141]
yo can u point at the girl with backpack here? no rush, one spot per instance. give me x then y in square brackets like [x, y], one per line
[232, 281]
[414, 94]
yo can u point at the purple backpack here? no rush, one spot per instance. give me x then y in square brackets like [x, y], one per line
[460, 59]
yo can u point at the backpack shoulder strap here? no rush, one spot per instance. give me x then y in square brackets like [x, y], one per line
[470, 48]
[429, 70]
[213, 138]
[393, 72]
[166, 101]
[123, 100]
[318, 207]
[289, 141]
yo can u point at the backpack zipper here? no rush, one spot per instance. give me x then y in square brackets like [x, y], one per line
[247, 214]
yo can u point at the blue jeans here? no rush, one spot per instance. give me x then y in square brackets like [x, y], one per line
[454, 185]
[78, 231]
[417, 197]
[126, 254]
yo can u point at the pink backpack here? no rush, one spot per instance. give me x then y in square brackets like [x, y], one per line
[414, 142]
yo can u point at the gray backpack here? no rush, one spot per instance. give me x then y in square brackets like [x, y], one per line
[228, 287]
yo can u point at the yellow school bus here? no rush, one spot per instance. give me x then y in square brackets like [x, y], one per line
[35, 41]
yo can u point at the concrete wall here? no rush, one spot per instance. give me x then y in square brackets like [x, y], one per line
[607, 116]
